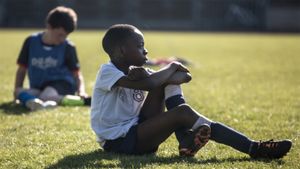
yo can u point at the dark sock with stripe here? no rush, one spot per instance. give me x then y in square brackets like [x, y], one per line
[228, 136]
[174, 101]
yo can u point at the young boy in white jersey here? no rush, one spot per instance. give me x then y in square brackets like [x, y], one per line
[126, 120]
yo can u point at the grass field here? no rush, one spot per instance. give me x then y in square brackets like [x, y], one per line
[248, 81]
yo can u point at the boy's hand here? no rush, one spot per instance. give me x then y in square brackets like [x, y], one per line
[180, 67]
[179, 77]
[137, 73]
[82, 94]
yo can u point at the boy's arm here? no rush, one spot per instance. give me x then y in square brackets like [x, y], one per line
[154, 80]
[20, 76]
[137, 73]
[140, 73]
[179, 77]
[80, 84]
[72, 62]
[22, 62]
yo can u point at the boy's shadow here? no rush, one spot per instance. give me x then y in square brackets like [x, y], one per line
[13, 108]
[101, 159]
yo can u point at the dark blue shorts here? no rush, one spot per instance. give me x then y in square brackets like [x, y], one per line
[62, 87]
[126, 145]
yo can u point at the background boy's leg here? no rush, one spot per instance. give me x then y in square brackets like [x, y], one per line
[50, 93]
[33, 92]
[30, 99]
[24, 95]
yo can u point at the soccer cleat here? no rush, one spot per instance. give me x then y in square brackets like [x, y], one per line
[87, 101]
[38, 104]
[272, 149]
[194, 141]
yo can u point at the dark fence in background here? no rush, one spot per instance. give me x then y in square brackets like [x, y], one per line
[219, 15]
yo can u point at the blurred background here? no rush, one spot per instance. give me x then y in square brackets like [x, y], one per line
[196, 15]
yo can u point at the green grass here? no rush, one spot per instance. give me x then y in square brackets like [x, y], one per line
[248, 81]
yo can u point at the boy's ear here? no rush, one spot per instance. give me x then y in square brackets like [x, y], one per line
[118, 51]
[122, 50]
[48, 26]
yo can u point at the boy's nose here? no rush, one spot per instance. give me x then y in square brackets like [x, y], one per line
[145, 51]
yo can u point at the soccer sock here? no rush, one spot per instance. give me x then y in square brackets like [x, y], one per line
[71, 100]
[201, 120]
[24, 97]
[253, 147]
[174, 101]
[228, 136]
[173, 96]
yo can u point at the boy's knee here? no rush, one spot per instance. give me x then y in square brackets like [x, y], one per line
[48, 93]
[184, 114]
[183, 109]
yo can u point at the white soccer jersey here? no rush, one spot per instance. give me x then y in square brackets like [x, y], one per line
[114, 109]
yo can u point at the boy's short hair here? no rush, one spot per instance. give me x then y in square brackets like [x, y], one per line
[62, 17]
[115, 36]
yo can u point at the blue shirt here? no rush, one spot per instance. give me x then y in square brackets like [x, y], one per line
[48, 63]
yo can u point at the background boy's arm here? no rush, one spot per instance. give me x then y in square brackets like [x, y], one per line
[20, 76]
[80, 84]
[154, 80]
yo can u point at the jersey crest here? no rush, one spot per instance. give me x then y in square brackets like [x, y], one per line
[138, 95]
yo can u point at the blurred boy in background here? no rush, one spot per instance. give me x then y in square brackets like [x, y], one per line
[51, 62]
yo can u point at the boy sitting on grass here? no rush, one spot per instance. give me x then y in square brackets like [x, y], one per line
[52, 65]
[126, 120]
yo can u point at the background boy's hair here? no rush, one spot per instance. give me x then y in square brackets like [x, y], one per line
[115, 36]
[62, 17]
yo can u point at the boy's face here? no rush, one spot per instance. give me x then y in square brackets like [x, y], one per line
[57, 35]
[133, 50]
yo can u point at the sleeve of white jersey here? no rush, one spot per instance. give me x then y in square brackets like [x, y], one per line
[107, 76]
